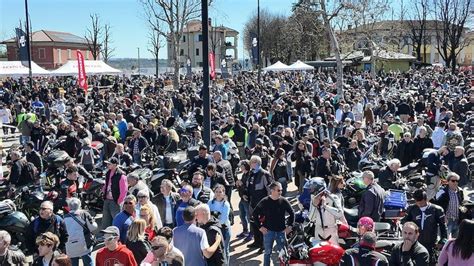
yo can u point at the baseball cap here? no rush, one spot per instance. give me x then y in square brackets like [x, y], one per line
[113, 230]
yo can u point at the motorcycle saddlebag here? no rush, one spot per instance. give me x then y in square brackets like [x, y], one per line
[396, 199]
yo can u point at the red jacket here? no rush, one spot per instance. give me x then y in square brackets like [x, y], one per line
[121, 256]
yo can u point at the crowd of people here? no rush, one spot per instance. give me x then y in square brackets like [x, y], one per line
[289, 128]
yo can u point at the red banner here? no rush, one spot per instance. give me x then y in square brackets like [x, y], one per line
[82, 71]
[212, 65]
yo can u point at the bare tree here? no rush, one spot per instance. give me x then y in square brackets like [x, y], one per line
[94, 36]
[175, 14]
[451, 16]
[155, 44]
[107, 50]
[417, 26]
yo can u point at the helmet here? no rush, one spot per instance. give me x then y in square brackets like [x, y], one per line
[366, 222]
[315, 185]
[259, 141]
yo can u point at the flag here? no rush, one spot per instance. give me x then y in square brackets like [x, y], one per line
[82, 78]
[23, 45]
[254, 42]
[212, 65]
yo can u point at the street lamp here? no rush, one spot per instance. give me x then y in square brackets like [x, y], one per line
[138, 61]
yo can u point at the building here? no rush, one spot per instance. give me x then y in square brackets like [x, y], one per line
[222, 41]
[51, 49]
[395, 36]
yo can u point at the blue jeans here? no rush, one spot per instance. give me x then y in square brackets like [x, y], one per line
[244, 214]
[86, 260]
[453, 228]
[137, 158]
[284, 185]
[268, 239]
[226, 235]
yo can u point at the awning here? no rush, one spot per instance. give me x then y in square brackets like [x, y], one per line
[15, 68]
[93, 67]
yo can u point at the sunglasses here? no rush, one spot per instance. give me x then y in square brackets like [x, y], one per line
[110, 238]
[183, 191]
[128, 203]
[454, 180]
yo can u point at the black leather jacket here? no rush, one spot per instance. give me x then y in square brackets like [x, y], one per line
[434, 219]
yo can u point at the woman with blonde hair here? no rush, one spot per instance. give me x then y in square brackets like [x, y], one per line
[151, 229]
[136, 241]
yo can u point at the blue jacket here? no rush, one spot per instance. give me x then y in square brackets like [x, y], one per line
[122, 127]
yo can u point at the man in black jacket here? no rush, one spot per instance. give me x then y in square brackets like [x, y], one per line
[459, 165]
[365, 254]
[450, 198]
[166, 202]
[136, 145]
[371, 203]
[429, 218]
[389, 175]
[410, 251]
[200, 192]
[213, 228]
[33, 156]
[200, 161]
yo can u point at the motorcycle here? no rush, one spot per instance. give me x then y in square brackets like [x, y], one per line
[354, 189]
[176, 175]
[301, 251]
[92, 194]
[14, 222]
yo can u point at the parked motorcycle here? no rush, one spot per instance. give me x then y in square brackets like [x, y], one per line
[14, 222]
[300, 250]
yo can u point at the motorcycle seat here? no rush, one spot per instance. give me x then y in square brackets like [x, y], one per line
[381, 227]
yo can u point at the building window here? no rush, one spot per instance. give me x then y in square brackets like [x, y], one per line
[184, 38]
[69, 54]
[87, 54]
[200, 37]
[197, 51]
[41, 53]
[181, 52]
[60, 59]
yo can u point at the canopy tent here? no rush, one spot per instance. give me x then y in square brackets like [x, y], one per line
[15, 68]
[278, 66]
[298, 65]
[92, 67]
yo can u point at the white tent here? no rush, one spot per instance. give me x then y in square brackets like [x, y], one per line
[92, 67]
[15, 68]
[278, 66]
[298, 65]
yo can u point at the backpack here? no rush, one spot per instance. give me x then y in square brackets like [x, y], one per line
[28, 172]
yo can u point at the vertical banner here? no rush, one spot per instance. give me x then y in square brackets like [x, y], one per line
[82, 78]
[23, 43]
[212, 64]
[254, 42]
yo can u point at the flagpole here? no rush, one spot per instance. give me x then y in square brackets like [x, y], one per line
[28, 43]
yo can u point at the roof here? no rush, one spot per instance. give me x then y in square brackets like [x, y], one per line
[53, 36]
[380, 53]
[196, 26]
[391, 25]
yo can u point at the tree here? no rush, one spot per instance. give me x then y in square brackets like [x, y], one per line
[156, 43]
[175, 14]
[451, 17]
[107, 50]
[417, 26]
[94, 36]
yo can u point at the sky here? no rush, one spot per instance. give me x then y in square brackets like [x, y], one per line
[129, 29]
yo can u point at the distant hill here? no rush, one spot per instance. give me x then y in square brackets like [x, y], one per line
[132, 64]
